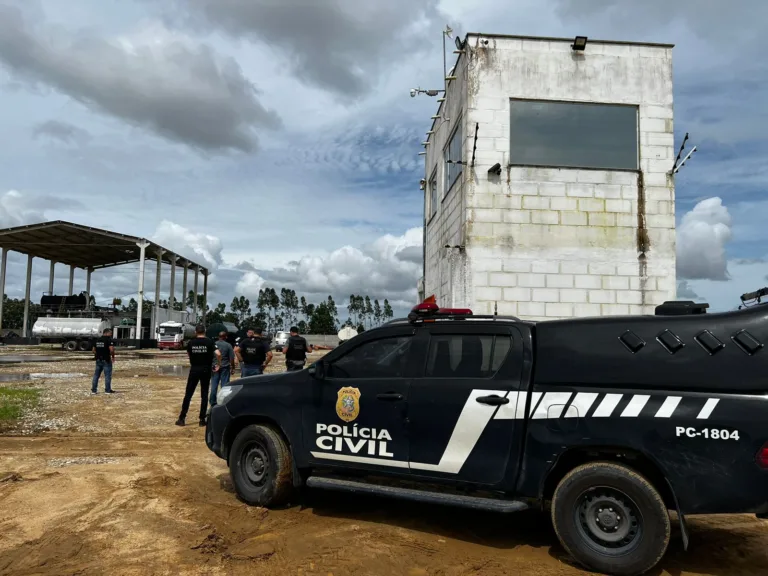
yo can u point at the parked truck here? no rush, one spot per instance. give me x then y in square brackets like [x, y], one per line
[174, 335]
[72, 333]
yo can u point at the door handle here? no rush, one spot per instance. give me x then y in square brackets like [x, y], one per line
[493, 400]
[390, 397]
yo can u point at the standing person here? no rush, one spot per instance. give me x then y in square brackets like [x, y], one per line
[104, 354]
[296, 350]
[201, 352]
[222, 375]
[253, 353]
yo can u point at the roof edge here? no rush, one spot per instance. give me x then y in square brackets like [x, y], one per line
[561, 39]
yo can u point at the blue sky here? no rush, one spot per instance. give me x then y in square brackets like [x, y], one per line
[277, 140]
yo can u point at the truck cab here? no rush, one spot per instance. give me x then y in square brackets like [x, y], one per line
[607, 423]
[174, 335]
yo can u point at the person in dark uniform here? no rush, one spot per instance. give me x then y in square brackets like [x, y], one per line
[296, 350]
[104, 354]
[201, 351]
[253, 353]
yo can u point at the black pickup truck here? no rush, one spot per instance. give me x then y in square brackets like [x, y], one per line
[607, 422]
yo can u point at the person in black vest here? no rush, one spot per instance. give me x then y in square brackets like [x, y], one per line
[201, 351]
[104, 354]
[253, 353]
[296, 350]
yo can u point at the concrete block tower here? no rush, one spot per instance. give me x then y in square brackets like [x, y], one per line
[549, 191]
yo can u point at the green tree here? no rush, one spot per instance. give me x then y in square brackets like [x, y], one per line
[322, 321]
[368, 315]
[241, 309]
[216, 316]
[388, 312]
[377, 312]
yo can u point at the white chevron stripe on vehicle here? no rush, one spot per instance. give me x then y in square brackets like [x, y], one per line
[472, 421]
[608, 405]
[552, 405]
[669, 406]
[581, 404]
[635, 406]
[709, 407]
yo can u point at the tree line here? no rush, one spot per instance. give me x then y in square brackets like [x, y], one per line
[272, 311]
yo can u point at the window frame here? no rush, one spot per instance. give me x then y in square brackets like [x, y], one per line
[636, 108]
[447, 182]
[409, 359]
[460, 334]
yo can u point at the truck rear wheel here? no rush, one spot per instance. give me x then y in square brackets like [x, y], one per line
[83, 345]
[70, 346]
[611, 519]
[260, 466]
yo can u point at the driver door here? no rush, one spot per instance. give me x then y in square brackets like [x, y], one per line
[357, 418]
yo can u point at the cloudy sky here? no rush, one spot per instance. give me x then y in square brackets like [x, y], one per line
[275, 140]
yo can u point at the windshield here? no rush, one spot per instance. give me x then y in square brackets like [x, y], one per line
[170, 330]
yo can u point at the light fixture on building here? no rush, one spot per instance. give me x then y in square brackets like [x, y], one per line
[422, 153]
[415, 91]
[425, 143]
[495, 169]
[459, 44]
[579, 43]
[422, 184]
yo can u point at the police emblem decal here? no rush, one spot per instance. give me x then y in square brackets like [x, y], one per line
[348, 404]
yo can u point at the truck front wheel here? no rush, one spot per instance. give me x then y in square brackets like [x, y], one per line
[260, 466]
[611, 519]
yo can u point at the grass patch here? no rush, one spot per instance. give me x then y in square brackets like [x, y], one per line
[13, 402]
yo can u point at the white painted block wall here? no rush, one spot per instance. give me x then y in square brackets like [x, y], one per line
[543, 243]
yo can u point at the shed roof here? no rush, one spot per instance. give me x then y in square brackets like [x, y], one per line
[82, 246]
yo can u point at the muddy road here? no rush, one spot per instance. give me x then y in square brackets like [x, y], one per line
[108, 485]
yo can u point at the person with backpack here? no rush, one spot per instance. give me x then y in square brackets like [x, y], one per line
[253, 353]
[296, 350]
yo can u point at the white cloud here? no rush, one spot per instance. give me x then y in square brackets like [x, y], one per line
[199, 247]
[18, 210]
[249, 285]
[387, 268]
[156, 79]
[701, 238]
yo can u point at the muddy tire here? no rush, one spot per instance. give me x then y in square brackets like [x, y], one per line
[260, 465]
[611, 519]
[83, 345]
[70, 346]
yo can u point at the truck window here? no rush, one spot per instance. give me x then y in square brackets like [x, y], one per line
[383, 358]
[466, 355]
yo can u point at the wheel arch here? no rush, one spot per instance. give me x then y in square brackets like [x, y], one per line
[234, 428]
[636, 460]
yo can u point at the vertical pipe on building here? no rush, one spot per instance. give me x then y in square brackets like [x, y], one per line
[172, 295]
[71, 279]
[3, 265]
[88, 286]
[197, 269]
[205, 293]
[158, 277]
[139, 312]
[25, 329]
[51, 276]
[184, 289]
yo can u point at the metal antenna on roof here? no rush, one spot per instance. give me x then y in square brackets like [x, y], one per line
[679, 164]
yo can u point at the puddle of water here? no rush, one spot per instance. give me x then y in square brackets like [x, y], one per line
[173, 370]
[19, 377]
[23, 359]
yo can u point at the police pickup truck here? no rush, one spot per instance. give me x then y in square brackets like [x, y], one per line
[607, 422]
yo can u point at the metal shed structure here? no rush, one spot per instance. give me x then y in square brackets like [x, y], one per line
[79, 246]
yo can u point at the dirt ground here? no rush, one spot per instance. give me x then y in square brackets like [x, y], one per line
[93, 485]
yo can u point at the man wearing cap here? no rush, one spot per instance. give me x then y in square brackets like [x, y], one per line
[253, 353]
[296, 350]
[201, 351]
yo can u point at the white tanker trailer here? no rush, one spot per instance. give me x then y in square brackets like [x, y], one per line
[72, 333]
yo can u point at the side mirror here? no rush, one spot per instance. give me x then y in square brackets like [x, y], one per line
[318, 370]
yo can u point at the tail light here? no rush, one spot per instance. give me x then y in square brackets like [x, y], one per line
[761, 459]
